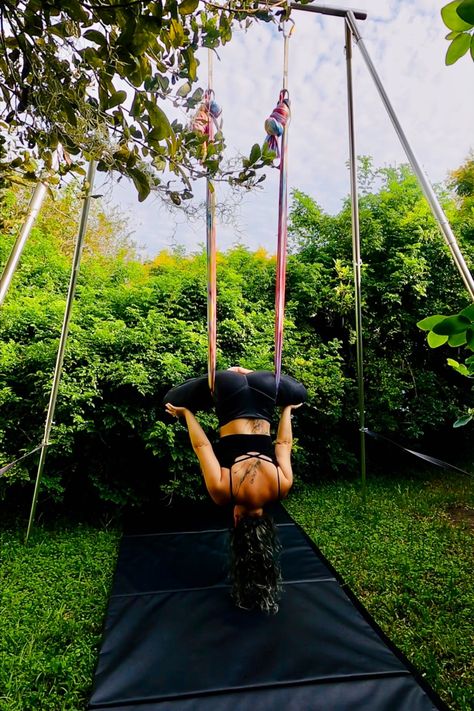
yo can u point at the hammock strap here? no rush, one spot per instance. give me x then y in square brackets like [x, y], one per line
[282, 246]
[211, 243]
[7, 467]
[280, 117]
[426, 457]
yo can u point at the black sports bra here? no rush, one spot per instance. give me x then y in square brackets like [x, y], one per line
[239, 446]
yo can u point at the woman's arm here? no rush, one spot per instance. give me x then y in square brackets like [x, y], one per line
[210, 466]
[283, 444]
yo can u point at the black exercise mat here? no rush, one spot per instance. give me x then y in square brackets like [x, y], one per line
[148, 562]
[389, 694]
[174, 640]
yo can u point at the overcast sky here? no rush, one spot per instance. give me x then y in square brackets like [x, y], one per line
[434, 103]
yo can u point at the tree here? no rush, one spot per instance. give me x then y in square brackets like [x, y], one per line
[407, 272]
[94, 77]
[457, 331]
[458, 16]
[108, 232]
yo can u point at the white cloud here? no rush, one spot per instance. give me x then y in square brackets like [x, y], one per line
[434, 104]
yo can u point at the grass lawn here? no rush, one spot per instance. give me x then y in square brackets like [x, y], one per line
[407, 555]
[54, 594]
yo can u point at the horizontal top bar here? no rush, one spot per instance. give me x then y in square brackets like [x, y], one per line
[328, 10]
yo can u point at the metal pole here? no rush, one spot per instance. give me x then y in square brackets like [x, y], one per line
[63, 339]
[356, 258]
[430, 195]
[320, 8]
[286, 44]
[34, 207]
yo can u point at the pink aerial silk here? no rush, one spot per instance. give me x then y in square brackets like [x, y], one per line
[276, 126]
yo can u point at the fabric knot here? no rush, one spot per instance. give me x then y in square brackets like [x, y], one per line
[276, 122]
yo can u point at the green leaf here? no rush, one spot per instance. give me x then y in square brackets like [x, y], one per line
[70, 113]
[184, 89]
[137, 106]
[466, 11]
[188, 6]
[451, 324]
[141, 38]
[116, 99]
[451, 18]
[459, 367]
[225, 28]
[195, 98]
[470, 338]
[434, 341]
[141, 182]
[74, 9]
[452, 35]
[158, 120]
[95, 36]
[255, 154]
[427, 323]
[267, 153]
[92, 58]
[458, 48]
[457, 339]
[462, 421]
[60, 29]
[159, 162]
[176, 33]
[453, 363]
[472, 47]
[468, 312]
[191, 62]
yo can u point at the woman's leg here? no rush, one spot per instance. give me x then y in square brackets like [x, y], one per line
[193, 394]
[290, 391]
[227, 384]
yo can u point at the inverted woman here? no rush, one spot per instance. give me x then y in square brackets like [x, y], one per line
[244, 467]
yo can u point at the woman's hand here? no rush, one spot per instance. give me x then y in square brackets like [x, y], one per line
[175, 411]
[238, 369]
[290, 407]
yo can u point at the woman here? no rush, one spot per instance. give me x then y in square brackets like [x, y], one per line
[244, 468]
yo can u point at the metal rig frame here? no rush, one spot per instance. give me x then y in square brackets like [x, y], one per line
[352, 33]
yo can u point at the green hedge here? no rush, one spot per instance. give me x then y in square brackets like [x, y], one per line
[139, 328]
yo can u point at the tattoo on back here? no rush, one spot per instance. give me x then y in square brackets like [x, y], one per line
[250, 473]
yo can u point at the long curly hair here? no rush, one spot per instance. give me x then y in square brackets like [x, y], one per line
[255, 571]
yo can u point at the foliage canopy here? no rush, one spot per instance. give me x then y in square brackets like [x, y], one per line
[95, 77]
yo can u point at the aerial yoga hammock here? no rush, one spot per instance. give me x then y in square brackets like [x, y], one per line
[206, 121]
[240, 394]
[245, 468]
